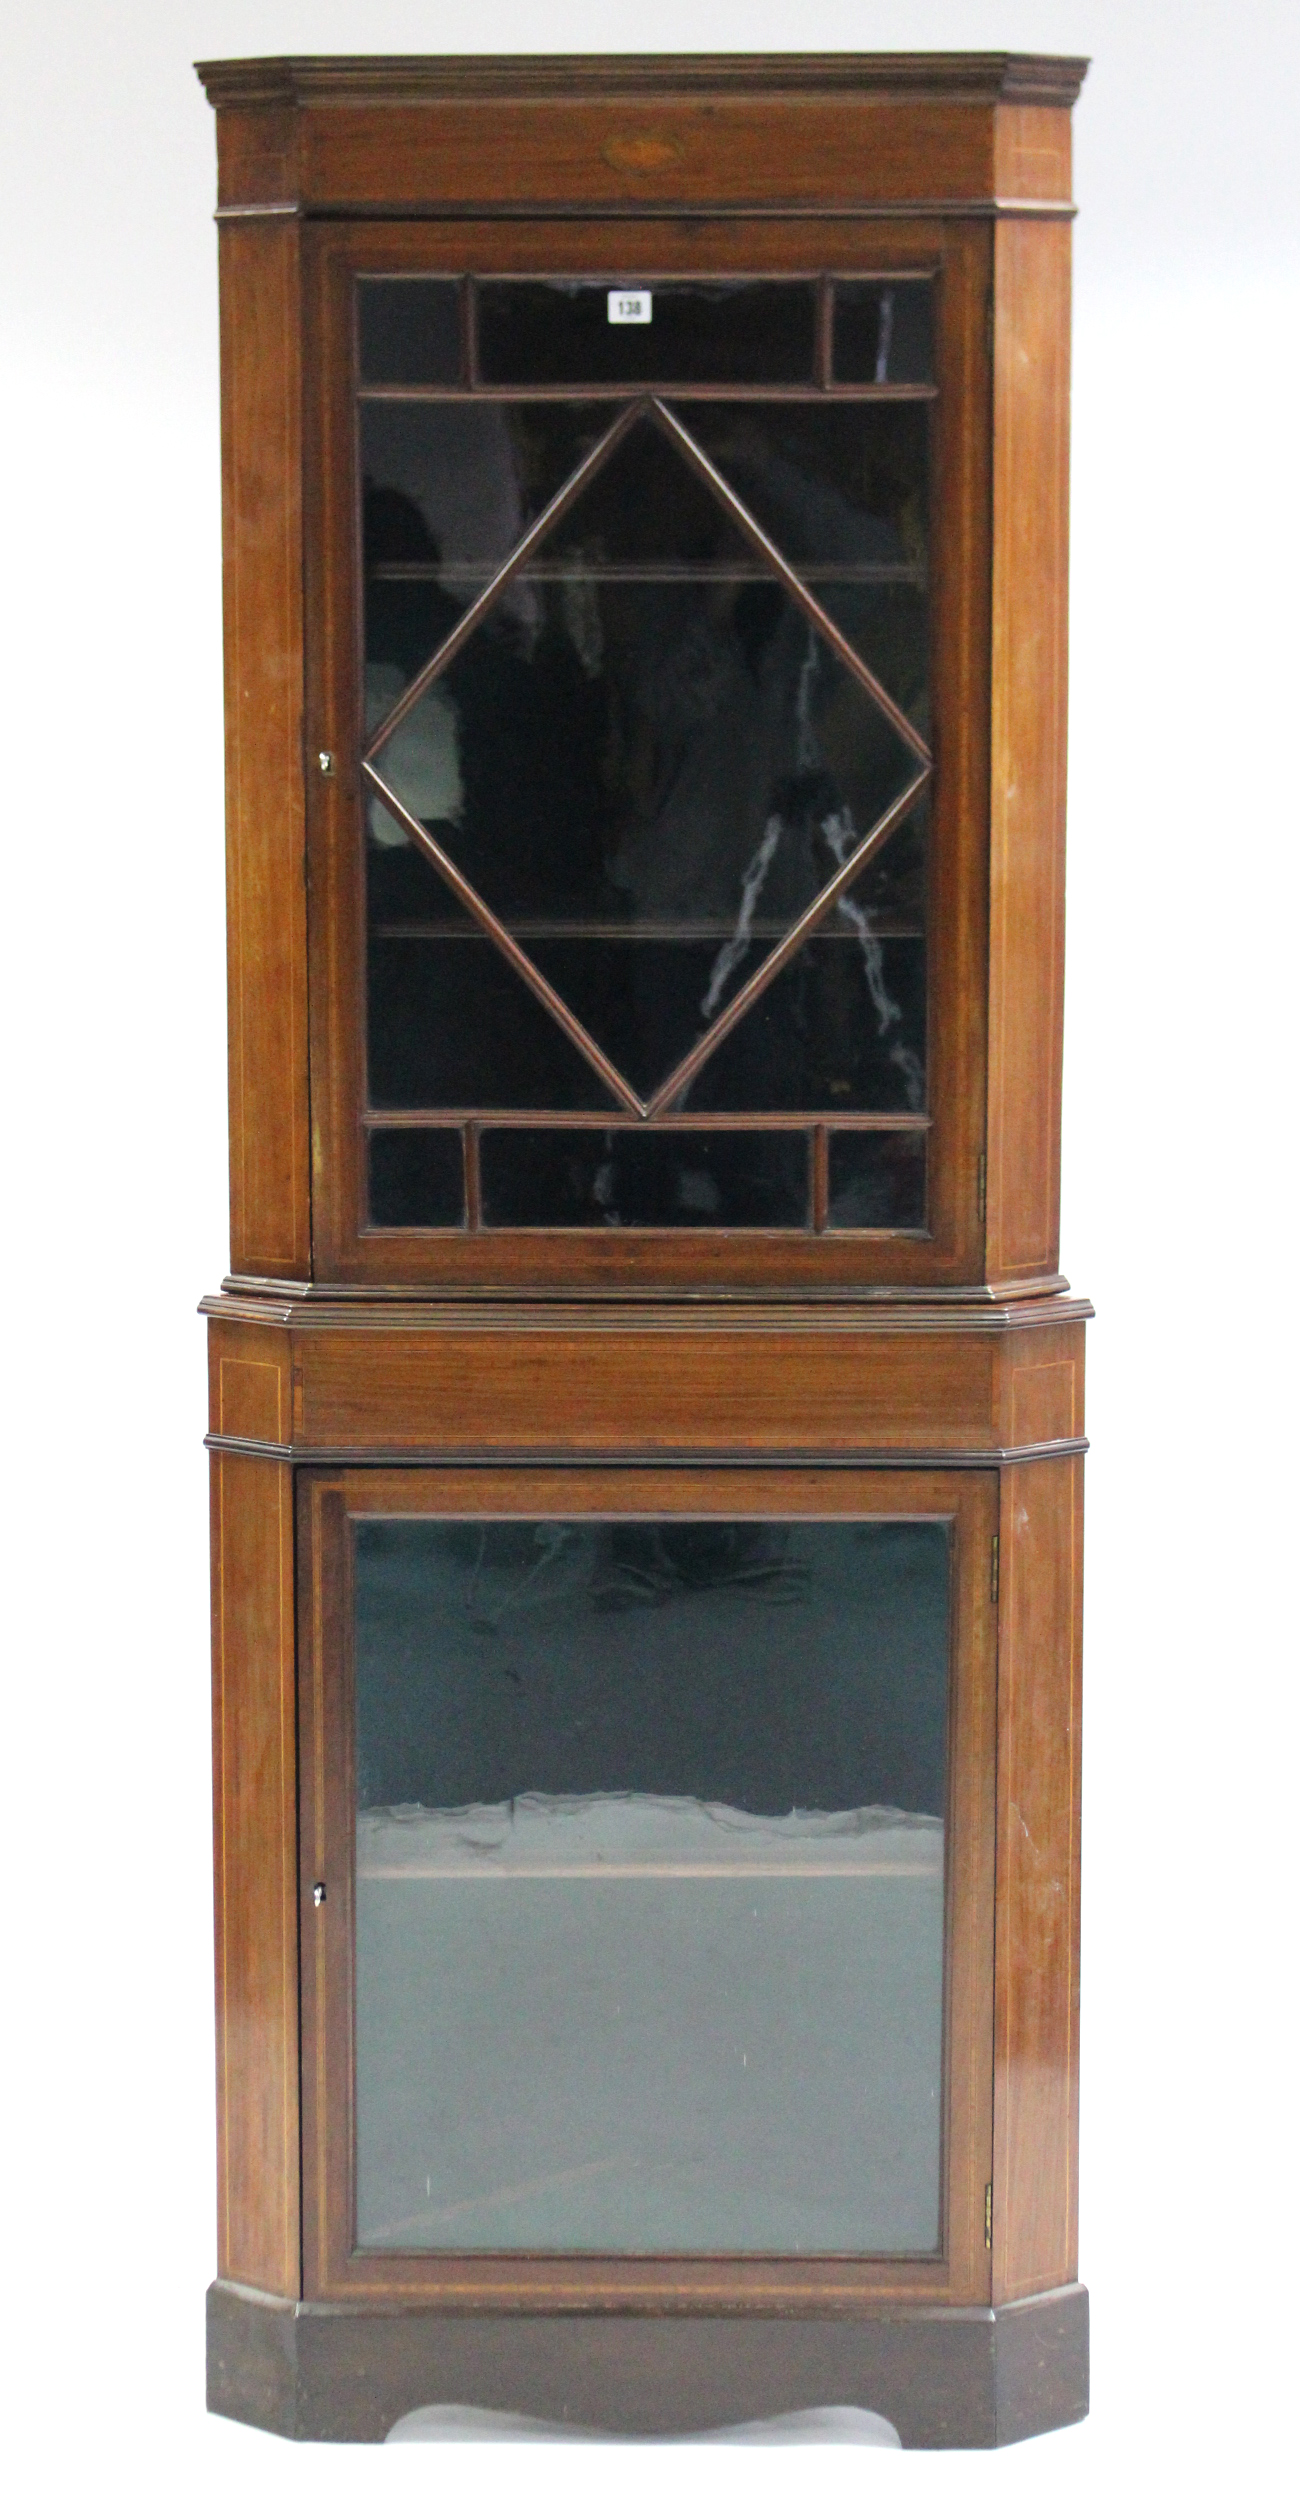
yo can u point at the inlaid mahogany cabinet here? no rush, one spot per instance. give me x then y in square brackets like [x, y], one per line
[647, 1412]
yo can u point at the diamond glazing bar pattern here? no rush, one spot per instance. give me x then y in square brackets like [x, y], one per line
[658, 1101]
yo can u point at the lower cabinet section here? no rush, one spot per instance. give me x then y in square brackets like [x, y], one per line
[647, 1932]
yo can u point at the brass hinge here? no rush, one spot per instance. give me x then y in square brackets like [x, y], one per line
[994, 1570]
[981, 1185]
[988, 2217]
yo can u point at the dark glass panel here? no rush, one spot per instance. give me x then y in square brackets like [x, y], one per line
[451, 1024]
[681, 760]
[457, 483]
[830, 1691]
[646, 506]
[404, 893]
[840, 1030]
[889, 625]
[448, 489]
[883, 331]
[842, 488]
[409, 330]
[877, 1179]
[644, 1179]
[417, 1179]
[728, 331]
[893, 885]
[649, 1934]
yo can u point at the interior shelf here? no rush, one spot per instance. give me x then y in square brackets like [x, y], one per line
[525, 927]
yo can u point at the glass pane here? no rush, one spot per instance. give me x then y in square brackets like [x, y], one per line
[448, 488]
[728, 331]
[877, 1179]
[889, 625]
[840, 1030]
[883, 331]
[417, 1179]
[842, 488]
[409, 330]
[458, 482]
[644, 1179]
[645, 506]
[451, 1024]
[892, 888]
[649, 1849]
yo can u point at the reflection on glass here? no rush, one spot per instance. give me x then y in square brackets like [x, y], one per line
[649, 1837]
[883, 331]
[409, 330]
[456, 483]
[416, 1179]
[644, 1179]
[834, 483]
[840, 1030]
[842, 489]
[877, 1179]
[724, 331]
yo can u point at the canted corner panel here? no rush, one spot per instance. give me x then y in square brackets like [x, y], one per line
[256, 1872]
[266, 892]
[1027, 781]
[1040, 1390]
[1032, 153]
[250, 1382]
[257, 156]
[1036, 1989]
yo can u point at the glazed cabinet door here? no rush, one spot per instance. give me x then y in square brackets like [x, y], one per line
[646, 1885]
[647, 649]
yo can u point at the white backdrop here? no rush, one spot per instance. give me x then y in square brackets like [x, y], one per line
[1179, 1151]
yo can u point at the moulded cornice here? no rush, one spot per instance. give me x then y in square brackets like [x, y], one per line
[340, 78]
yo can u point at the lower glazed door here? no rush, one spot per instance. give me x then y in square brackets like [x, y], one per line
[647, 1885]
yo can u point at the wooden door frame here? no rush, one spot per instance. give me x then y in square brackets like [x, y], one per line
[960, 255]
[333, 2270]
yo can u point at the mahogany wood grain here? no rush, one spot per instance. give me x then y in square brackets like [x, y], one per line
[333, 2268]
[270, 1219]
[257, 158]
[255, 1865]
[1032, 153]
[1036, 2063]
[1027, 789]
[588, 1391]
[250, 1382]
[899, 131]
[712, 1380]
[1039, 1396]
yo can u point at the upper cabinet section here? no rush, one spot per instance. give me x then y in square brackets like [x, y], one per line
[648, 631]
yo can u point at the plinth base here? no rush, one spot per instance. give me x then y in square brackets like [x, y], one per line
[944, 2376]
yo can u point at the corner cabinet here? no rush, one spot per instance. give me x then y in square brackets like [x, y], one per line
[647, 1413]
